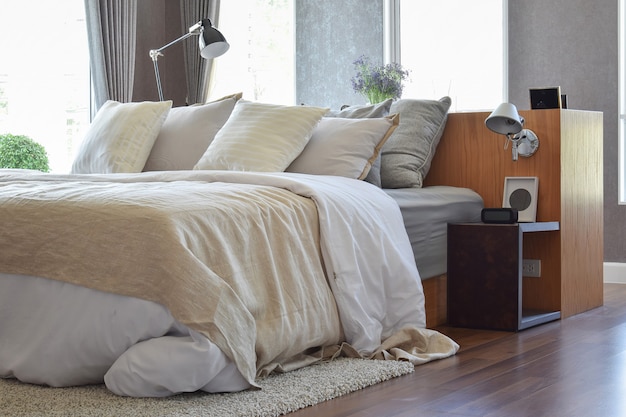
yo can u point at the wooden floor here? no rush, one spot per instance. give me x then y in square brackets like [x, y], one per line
[573, 367]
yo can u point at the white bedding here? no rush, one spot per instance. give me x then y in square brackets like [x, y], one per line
[83, 336]
[367, 257]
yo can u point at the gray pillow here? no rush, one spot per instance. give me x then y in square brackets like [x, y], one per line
[366, 111]
[373, 177]
[407, 155]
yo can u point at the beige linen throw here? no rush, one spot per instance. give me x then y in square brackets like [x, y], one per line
[264, 297]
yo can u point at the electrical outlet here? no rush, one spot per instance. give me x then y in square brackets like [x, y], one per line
[531, 268]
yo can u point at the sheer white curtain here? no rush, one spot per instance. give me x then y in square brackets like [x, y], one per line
[197, 69]
[112, 33]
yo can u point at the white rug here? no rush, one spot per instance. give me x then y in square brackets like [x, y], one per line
[280, 394]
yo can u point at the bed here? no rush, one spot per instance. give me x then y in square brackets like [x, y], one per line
[159, 268]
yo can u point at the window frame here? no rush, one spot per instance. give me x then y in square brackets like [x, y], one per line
[621, 116]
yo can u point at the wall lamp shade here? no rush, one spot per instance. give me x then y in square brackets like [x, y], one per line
[211, 42]
[505, 120]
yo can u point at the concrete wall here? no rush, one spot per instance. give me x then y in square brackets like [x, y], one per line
[330, 36]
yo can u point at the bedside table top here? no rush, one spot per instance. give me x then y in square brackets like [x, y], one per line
[539, 226]
[525, 227]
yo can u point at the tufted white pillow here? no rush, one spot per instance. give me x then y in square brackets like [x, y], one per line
[187, 133]
[261, 137]
[344, 147]
[120, 137]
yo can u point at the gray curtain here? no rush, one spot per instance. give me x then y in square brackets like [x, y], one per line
[112, 34]
[197, 69]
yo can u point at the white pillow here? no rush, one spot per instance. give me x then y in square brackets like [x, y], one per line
[120, 137]
[187, 133]
[344, 147]
[261, 137]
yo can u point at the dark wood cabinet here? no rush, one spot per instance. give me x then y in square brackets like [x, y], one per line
[485, 281]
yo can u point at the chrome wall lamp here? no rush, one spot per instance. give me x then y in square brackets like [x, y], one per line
[212, 44]
[505, 120]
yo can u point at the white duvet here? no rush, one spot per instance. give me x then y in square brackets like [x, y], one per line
[143, 351]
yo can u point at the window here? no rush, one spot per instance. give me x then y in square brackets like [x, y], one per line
[261, 59]
[622, 102]
[44, 78]
[452, 47]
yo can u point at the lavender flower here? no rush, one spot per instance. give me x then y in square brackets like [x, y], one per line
[378, 83]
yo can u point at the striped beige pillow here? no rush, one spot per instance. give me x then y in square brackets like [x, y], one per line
[261, 137]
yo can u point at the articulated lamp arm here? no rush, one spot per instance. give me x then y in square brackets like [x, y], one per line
[156, 53]
[213, 44]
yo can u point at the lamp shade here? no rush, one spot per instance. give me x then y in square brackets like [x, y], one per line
[505, 120]
[212, 42]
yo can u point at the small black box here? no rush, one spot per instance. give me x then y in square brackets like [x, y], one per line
[499, 215]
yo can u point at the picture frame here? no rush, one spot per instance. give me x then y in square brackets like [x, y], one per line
[545, 98]
[520, 193]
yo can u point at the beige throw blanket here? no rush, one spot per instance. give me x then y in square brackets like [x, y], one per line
[264, 296]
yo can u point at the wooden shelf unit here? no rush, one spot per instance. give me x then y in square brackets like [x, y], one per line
[568, 164]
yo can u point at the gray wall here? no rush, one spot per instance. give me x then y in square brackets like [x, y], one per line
[574, 44]
[571, 43]
[330, 36]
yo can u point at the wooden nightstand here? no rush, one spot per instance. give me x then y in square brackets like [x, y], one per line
[485, 284]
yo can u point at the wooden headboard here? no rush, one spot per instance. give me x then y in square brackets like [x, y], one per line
[568, 164]
[470, 155]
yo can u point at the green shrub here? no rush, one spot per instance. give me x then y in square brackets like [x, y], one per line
[18, 151]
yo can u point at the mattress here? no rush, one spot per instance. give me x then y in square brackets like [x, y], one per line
[426, 213]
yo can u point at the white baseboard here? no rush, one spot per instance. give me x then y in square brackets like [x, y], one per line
[615, 272]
